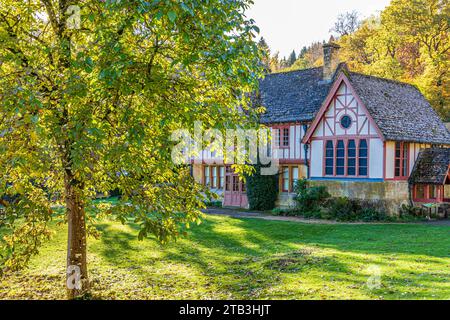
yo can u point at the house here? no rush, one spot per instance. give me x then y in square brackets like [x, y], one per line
[362, 136]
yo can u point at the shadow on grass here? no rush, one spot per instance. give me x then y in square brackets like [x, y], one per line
[242, 258]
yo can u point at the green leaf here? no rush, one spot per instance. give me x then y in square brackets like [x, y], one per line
[172, 15]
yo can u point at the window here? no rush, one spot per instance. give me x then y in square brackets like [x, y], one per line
[340, 158]
[206, 176]
[401, 159]
[286, 137]
[432, 192]
[288, 177]
[228, 183]
[276, 137]
[294, 177]
[235, 183]
[329, 158]
[429, 193]
[280, 137]
[420, 191]
[214, 183]
[221, 177]
[346, 158]
[346, 122]
[363, 156]
[351, 158]
[285, 179]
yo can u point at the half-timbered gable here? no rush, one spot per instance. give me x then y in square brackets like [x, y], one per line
[345, 141]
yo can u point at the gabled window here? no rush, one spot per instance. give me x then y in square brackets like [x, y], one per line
[401, 159]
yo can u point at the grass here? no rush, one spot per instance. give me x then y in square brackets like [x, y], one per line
[228, 258]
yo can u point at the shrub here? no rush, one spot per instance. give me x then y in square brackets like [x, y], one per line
[310, 200]
[262, 191]
[213, 204]
[371, 215]
[345, 209]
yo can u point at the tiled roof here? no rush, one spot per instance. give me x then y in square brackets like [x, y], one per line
[431, 167]
[401, 112]
[293, 96]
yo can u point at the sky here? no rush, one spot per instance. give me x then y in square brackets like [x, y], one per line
[291, 24]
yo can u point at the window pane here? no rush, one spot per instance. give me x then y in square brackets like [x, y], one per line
[432, 191]
[351, 171]
[227, 183]
[286, 137]
[363, 163]
[329, 158]
[362, 171]
[206, 172]
[340, 171]
[420, 191]
[351, 148]
[235, 183]
[294, 177]
[222, 176]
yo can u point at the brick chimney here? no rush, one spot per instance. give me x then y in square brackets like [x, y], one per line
[330, 59]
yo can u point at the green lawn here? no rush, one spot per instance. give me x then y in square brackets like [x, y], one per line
[227, 258]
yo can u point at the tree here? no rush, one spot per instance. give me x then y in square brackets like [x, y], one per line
[90, 92]
[410, 42]
[346, 23]
[292, 58]
[265, 52]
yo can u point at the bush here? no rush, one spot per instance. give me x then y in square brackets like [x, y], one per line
[372, 215]
[344, 209]
[310, 200]
[213, 204]
[262, 191]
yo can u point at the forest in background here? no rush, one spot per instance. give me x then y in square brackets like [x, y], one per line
[408, 41]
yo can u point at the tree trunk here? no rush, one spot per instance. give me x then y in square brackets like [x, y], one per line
[77, 274]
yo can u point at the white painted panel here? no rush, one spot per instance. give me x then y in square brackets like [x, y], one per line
[330, 112]
[319, 130]
[286, 154]
[342, 89]
[328, 124]
[316, 158]
[292, 142]
[372, 129]
[364, 125]
[390, 159]
[339, 130]
[376, 159]
[297, 141]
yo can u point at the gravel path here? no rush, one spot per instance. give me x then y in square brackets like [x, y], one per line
[259, 215]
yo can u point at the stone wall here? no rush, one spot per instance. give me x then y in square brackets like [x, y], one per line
[387, 196]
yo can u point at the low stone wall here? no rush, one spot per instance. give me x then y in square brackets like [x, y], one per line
[387, 195]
